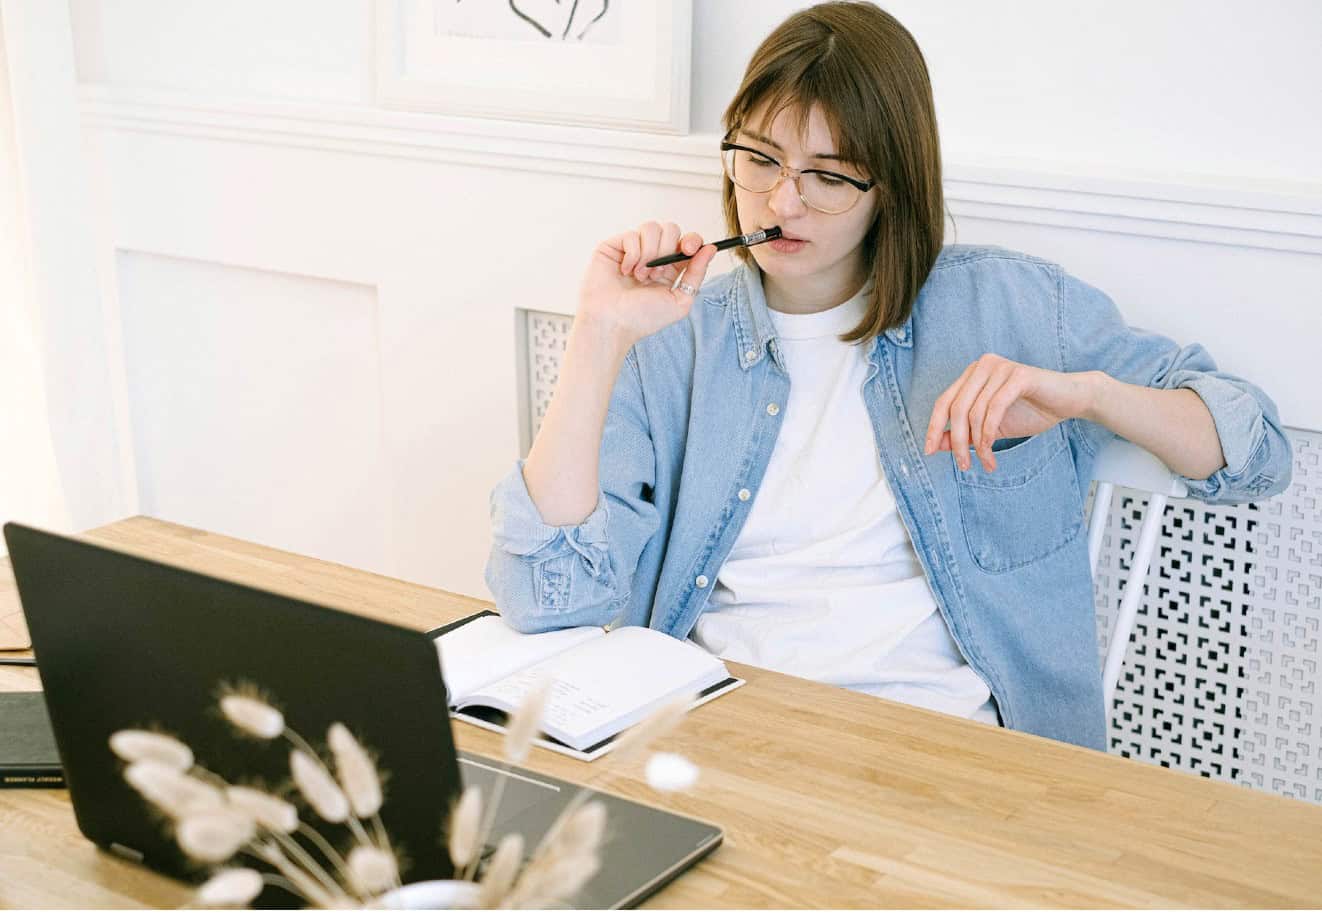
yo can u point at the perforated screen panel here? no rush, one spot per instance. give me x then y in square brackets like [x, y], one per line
[547, 334]
[1221, 675]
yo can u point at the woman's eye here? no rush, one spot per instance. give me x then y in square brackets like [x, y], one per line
[760, 161]
[830, 180]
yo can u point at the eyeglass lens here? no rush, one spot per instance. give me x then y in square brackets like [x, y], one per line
[758, 174]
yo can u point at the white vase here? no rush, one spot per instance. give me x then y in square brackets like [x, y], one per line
[441, 894]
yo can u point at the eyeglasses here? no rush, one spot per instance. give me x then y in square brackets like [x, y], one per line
[754, 171]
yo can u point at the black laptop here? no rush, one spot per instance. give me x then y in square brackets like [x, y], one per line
[124, 642]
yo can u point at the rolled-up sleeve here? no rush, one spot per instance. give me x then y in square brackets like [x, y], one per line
[1257, 451]
[549, 577]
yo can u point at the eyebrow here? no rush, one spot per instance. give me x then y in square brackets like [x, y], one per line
[766, 140]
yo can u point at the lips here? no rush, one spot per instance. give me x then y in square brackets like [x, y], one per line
[787, 236]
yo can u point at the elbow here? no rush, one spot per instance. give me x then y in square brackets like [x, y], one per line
[1278, 469]
[554, 593]
[1267, 472]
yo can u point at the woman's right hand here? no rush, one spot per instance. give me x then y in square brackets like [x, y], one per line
[631, 301]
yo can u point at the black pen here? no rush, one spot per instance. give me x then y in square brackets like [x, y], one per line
[30, 662]
[748, 239]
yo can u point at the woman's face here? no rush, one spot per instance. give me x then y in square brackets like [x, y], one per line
[831, 253]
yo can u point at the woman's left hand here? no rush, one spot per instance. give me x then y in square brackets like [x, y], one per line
[998, 398]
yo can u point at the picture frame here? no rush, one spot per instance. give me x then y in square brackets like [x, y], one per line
[621, 64]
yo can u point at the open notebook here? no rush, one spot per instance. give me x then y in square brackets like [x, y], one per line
[603, 681]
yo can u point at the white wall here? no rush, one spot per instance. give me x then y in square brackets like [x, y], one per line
[1220, 87]
[29, 490]
[254, 202]
[65, 465]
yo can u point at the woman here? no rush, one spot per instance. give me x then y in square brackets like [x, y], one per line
[858, 457]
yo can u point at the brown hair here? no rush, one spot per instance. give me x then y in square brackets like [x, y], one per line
[866, 72]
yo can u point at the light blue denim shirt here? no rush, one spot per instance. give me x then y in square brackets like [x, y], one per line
[695, 413]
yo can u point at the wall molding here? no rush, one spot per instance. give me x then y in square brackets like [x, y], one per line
[1240, 212]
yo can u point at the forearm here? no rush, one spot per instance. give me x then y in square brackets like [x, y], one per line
[561, 471]
[1173, 425]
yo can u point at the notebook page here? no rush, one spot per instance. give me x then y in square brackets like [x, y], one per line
[487, 649]
[602, 687]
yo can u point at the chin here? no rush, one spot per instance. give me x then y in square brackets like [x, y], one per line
[784, 268]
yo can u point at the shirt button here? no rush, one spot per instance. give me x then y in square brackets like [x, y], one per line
[773, 409]
[744, 495]
[904, 470]
[701, 581]
[750, 354]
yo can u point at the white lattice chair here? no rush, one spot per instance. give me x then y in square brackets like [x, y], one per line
[1122, 463]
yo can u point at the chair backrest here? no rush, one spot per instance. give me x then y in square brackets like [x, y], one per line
[1124, 464]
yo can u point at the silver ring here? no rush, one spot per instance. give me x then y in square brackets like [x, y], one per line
[686, 288]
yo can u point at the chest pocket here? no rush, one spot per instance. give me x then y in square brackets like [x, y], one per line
[1027, 509]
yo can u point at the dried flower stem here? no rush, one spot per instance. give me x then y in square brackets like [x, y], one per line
[327, 850]
[280, 881]
[565, 814]
[379, 832]
[292, 847]
[520, 732]
[383, 842]
[488, 821]
[502, 871]
[570, 859]
[464, 822]
[358, 831]
[308, 887]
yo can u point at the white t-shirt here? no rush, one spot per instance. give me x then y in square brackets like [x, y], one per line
[823, 581]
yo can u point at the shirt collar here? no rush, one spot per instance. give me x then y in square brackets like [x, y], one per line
[754, 332]
[902, 335]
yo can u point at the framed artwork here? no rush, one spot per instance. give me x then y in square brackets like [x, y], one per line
[604, 63]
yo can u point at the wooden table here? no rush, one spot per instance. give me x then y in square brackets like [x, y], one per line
[829, 798]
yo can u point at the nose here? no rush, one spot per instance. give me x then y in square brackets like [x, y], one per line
[784, 197]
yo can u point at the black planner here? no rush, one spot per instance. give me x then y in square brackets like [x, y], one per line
[28, 756]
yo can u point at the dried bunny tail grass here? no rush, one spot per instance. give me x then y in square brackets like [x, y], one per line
[566, 859]
[555, 885]
[524, 724]
[318, 787]
[519, 736]
[465, 826]
[133, 745]
[247, 709]
[271, 813]
[564, 864]
[371, 870]
[582, 831]
[658, 723]
[668, 772]
[229, 888]
[356, 771]
[177, 794]
[214, 836]
[501, 871]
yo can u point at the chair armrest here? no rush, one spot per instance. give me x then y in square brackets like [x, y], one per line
[1125, 464]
